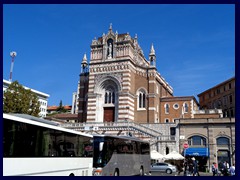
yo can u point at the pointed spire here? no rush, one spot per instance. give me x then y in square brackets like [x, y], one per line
[152, 56]
[84, 60]
[152, 51]
[110, 27]
[135, 36]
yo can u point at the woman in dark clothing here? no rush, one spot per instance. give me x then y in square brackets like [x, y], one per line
[195, 166]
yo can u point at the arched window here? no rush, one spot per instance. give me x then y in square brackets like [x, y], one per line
[185, 107]
[167, 150]
[143, 104]
[141, 99]
[106, 97]
[109, 97]
[113, 97]
[166, 108]
[197, 141]
[222, 141]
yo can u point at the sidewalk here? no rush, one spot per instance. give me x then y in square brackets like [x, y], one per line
[200, 173]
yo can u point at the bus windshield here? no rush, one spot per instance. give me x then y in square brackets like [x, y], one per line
[120, 156]
[103, 150]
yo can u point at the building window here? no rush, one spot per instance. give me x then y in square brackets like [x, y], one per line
[166, 120]
[185, 107]
[109, 97]
[230, 99]
[224, 100]
[197, 141]
[141, 99]
[167, 150]
[176, 106]
[166, 108]
[230, 86]
[222, 141]
[172, 131]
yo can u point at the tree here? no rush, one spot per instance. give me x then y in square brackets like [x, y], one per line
[61, 108]
[17, 99]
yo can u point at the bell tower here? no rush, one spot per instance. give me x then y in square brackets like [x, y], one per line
[83, 89]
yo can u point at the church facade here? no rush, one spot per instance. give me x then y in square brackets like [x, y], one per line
[119, 83]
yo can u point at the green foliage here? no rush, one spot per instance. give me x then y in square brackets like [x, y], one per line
[17, 99]
[60, 108]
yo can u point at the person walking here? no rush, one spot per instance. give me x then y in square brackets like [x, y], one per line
[195, 167]
[225, 168]
[185, 166]
[232, 170]
[190, 168]
[214, 169]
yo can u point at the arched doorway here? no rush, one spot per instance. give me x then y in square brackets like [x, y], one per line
[223, 153]
[107, 99]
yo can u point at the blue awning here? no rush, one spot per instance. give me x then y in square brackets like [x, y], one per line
[197, 152]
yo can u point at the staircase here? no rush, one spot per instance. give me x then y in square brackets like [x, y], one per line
[124, 128]
[116, 128]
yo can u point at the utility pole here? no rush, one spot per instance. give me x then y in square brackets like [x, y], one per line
[13, 54]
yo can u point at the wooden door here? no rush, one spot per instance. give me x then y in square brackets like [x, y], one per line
[108, 114]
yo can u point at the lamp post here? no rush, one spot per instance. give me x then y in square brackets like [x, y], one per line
[13, 54]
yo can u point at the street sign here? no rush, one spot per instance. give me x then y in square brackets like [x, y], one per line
[185, 145]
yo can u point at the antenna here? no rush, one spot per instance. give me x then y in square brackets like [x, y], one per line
[13, 54]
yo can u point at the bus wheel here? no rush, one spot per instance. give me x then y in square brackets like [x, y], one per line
[141, 172]
[116, 173]
[71, 174]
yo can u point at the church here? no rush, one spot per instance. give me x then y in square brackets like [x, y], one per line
[121, 92]
[119, 83]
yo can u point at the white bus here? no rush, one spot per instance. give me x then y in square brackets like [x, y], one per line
[37, 147]
[120, 156]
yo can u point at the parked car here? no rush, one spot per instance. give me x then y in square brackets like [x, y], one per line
[163, 167]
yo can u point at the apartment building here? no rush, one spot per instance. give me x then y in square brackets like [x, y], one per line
[221, 96]
[42, 98]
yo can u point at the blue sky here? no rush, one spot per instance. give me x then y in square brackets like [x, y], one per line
[194, 44]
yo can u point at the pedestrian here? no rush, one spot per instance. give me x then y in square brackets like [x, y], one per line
[185, 167]
[195, 167]
[190, 168]
[214, 169]
[225, 168]
[232, 170]
[221, 167]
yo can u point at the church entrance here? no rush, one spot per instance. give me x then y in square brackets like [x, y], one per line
[108, 114]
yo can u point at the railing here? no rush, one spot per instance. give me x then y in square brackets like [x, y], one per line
[121, 125]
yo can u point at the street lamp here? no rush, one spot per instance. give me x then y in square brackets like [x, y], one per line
[13, 54]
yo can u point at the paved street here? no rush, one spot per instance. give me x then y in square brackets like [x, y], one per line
[175, 174]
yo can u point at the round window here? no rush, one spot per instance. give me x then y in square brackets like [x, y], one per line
[176, 106]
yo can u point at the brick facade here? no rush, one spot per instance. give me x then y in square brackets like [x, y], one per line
[119, 69]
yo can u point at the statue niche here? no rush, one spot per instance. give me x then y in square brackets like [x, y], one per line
[110, 49]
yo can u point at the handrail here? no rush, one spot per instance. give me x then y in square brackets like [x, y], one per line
[122, 124]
